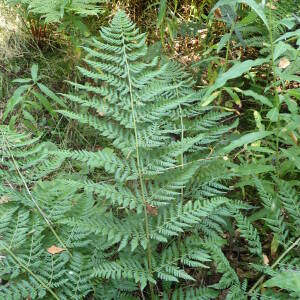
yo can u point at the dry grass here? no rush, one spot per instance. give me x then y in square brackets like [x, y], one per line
[12, 37]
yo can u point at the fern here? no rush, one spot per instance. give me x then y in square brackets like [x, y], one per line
[249, 232]
[146, 112]
[192, 294]
[27, 265]
[23, 156]
[290, 201]
[274, 218]
[56, 9]
[144, 214]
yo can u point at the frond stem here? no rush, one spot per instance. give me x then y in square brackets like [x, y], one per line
[34, 201]
[261, 279]
[149, 253]
[30, 272]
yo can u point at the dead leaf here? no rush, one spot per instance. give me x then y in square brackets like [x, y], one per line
[100, 113]
[270, 5]
[55, 250]
[217, 13]
[4, 199]
[152, 210]
[292, 135]
[266, 259]
[283, 63]
[242, 273]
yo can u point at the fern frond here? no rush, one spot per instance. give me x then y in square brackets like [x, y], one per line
[249, 233]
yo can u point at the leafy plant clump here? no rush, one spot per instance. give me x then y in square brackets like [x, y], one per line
[152, 216]
[151, 186]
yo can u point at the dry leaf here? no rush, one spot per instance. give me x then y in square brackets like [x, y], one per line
[292, 135]
[217, 13]
[270, 5]
[283, 63]
[202, 33]
[4, 199]
[55, 250]
[241, 272]
[100, 113]
[152, 210]
[266, 259]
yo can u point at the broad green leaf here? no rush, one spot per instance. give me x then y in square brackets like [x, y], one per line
[29, 125]
[62, 9]
[274, 245]
[172, 28]
[12, 121]
[15, 100]
[44, 101]
[224, 40]
[32, 104]
[233, 95]
[295, 93]
[257, 8]
[34, 72]
[259, 215]
[210, 98]
[288, 280]
[28, 116]
[293, 156]
[252, 169]
[162, 12]
[236, 71]
[281, 48]
[288, 22]
[292, 104]
[289, 77]
[22, 80]
[262, 99]
[288, 35]
[83, 28]
[273, 114]
[51, 95]
[245, 139]
[251, 3]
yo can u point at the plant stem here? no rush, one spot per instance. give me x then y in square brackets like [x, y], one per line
[276, 102]
[228, 45]
[30, 272]
[279, 259]
[182, 138]
[35, 202]
[140, 172]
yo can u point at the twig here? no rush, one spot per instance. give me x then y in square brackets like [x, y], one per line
[260, 280]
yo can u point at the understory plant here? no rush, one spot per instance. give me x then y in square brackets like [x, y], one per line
[143, 217]
[150, 207]
[32, 97]
[268, 85]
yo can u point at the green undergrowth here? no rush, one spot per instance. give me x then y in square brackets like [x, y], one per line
[125, 174]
